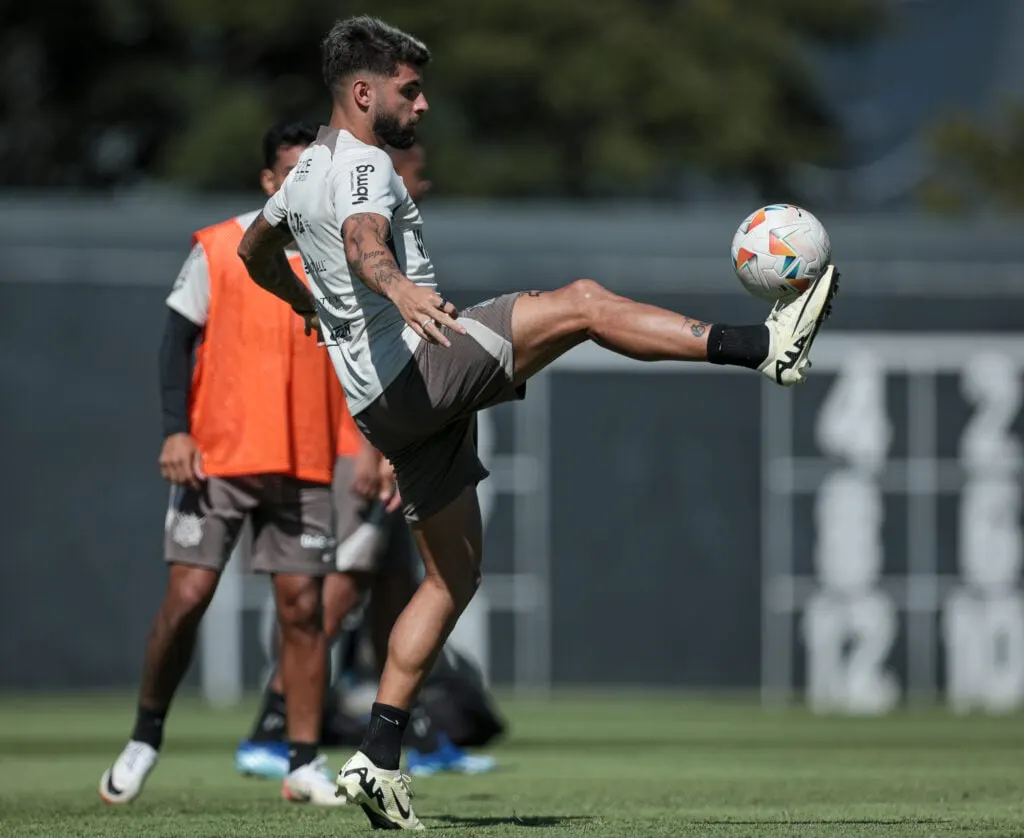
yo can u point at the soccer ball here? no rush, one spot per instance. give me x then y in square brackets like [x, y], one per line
[778, 250]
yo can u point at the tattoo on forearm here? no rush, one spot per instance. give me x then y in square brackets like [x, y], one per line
[366, 249]
[697, 327]
[357, 265]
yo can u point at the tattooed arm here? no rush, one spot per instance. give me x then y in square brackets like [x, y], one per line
[370, 259]
[262, 252]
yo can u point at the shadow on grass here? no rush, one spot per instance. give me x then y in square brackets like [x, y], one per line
[535, 821]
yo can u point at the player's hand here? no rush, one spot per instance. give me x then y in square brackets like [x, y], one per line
[311, 323]
[427, 312]
[181, 461]
[366, 478]
[310, 319]
[389, 494]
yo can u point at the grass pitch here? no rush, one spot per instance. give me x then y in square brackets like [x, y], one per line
[616, 766]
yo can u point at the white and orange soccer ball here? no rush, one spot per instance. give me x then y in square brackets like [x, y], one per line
[778, 250]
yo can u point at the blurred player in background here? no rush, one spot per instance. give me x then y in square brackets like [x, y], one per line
[250, 434]
[376, 554]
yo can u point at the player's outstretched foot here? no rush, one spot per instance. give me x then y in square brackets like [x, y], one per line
[262, 759]
[447, 758]
[123, 781]
[310, 783]
[385, 796]
[793, 327]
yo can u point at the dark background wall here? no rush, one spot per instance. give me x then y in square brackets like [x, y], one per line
[654, 482]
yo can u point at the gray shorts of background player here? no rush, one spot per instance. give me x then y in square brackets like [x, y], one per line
[291, 521]
[425, 420]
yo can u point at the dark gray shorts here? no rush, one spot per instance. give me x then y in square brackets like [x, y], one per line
[292, 524]
[425, 420]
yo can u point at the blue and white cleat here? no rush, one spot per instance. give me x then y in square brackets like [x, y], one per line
[262, 759]
[448, 758]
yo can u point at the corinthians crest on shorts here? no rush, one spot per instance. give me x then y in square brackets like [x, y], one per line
[187, 529]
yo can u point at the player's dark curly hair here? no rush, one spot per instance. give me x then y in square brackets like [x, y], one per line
[368, 44]
[287, 133]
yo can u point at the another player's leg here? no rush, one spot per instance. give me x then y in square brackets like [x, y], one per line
[201, 528]
[361, 536]
[265, 752]
[450, 542]
[546, 325]
[303, 669]
[392, 586]
[293, 542]
[169, 648]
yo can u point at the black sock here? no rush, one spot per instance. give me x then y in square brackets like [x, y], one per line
[270, 723]
[739, 346]
[422, 734]
[383, 742]
[149, 727]
[300, 753]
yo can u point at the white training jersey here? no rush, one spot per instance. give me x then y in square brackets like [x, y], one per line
[336, 177]
[190, 295]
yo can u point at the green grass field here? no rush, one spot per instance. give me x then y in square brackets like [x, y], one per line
[655, 766]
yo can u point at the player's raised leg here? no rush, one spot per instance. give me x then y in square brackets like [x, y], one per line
[545, 325]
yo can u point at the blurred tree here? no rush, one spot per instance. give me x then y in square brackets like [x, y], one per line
[531, 97]
[581, 97]
[975, 165]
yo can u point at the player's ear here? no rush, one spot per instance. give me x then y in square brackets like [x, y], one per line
[362, 94]
[267, 183]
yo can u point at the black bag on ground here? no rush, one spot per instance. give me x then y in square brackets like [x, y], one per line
[458, 703]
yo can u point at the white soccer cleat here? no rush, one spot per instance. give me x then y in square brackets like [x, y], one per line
[793, 327]
[385, 796]
[310, 784]
[123, 781]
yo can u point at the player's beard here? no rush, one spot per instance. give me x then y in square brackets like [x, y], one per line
[387, 127]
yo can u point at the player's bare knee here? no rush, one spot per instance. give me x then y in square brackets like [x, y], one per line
[299, 608]
[189, 595]
[586, 290]
[588, 298]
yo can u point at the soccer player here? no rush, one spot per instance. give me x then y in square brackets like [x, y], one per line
[384, 563]
[251, 436]
[415, 371]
